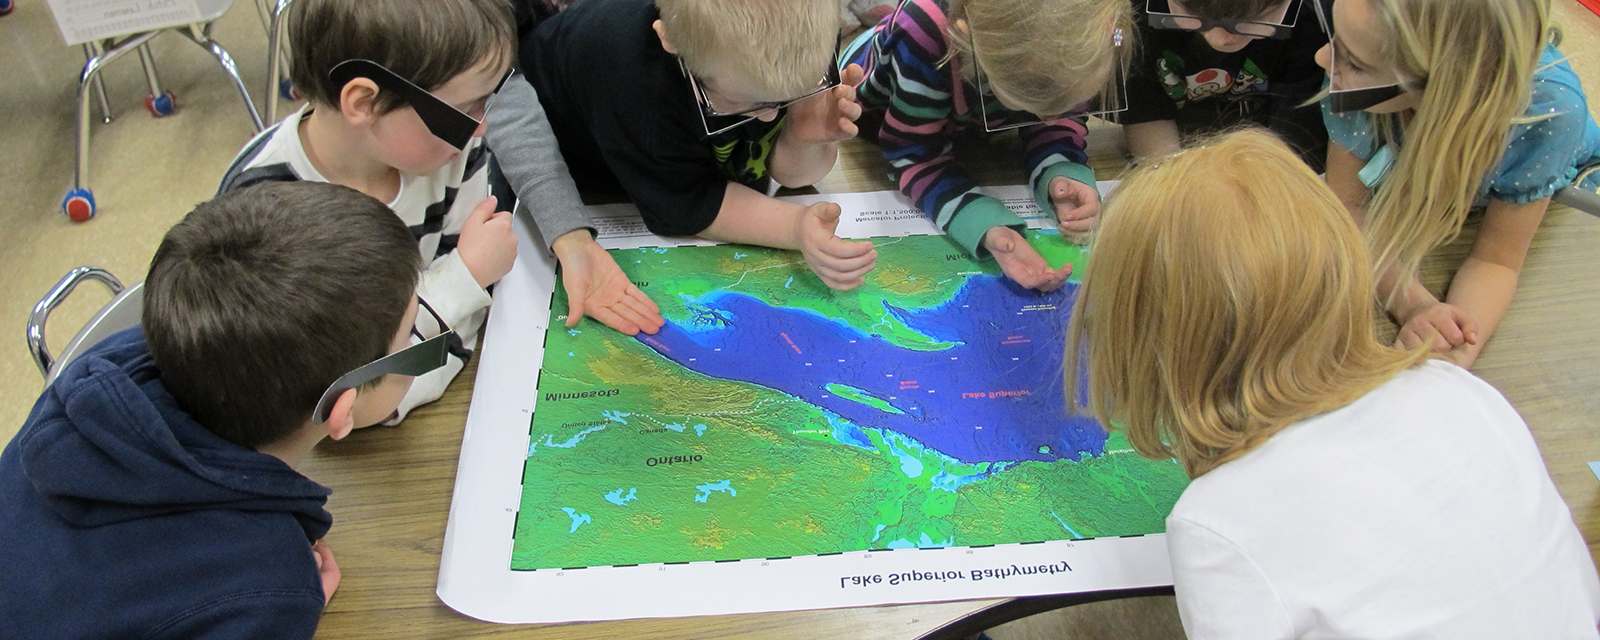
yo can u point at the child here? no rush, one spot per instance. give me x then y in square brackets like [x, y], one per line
[152, 491]
[1342, 488]
[1209, 65]
[1035, 60]
[387, 81]
[693, 108]
[1438, 108]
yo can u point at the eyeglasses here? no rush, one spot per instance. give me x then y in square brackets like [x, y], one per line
[444, 121]
[414, 360]
[830, 79]
[1161, 16]
[1109, 102]
[1343, 100]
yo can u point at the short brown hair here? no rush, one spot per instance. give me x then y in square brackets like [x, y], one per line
[428, 42]
[262, 297]
[783, 46]
[1236, 9]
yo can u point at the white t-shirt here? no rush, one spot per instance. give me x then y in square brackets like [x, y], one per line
[1421, 510]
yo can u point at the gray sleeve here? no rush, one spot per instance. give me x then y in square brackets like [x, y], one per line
[526, 148]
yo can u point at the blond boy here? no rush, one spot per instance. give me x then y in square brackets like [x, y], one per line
[696, 109]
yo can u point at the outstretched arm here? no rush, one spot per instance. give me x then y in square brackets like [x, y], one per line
[749, 217]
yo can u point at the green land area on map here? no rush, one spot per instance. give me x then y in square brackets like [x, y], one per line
[636, 459]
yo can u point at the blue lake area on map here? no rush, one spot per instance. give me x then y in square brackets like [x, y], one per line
[994, 396]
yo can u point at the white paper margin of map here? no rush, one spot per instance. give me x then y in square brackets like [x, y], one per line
[475, 576]
[83, 20]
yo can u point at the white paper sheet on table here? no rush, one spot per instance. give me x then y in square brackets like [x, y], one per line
[475, 576]
[85, 20]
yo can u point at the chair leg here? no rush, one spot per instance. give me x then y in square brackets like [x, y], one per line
[90, 51]
[201, 35]
[275, 29]
[79, 203]
[160, 103]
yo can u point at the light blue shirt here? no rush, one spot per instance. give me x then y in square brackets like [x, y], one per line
[1541, 157]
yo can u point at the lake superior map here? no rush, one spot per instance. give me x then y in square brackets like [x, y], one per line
[773, 418]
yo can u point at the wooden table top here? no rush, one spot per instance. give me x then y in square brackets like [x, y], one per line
[392, 485]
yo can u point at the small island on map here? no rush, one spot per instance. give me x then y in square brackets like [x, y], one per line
[773, 417]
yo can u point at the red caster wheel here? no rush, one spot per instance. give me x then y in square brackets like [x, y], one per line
[161, 106]
[79, 205]
[6, 6]
[286, 90]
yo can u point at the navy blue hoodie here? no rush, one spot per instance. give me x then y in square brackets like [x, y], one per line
[121, 517]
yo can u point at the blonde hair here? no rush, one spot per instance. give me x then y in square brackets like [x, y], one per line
[783, 46]
[1042, 57]
[1478, 58]
[1229, 296]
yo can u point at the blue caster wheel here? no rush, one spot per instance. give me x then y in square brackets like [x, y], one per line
[161, 106]
[285, 88]
[6, 6]
[78, 205]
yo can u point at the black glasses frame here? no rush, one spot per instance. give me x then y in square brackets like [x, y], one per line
[414, 360]
[444, 121]
[1159, 15]
[830, 79]
[1342, 101]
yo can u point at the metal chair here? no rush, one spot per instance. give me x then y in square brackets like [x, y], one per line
[79, 203]
[277, 86]
[123, 311]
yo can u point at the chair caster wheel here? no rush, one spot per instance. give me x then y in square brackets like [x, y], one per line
[287, 91]
[161, 106]
[79, 205]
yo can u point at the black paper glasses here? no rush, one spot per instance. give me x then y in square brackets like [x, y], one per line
[444, 121]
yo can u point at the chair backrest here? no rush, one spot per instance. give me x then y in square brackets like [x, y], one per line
[122, 312]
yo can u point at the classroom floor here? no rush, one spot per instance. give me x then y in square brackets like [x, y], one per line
[147, 173]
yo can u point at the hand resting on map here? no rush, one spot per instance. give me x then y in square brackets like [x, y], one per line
[1021, 262]
[598, 288]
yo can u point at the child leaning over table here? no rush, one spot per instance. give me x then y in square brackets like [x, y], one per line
[397, 92]
[935, 67]
[1206, 66]
[694, 109]
[1434, 110]
[152, 492]
[1342, 488]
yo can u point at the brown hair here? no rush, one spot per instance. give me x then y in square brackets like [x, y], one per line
[1229, 296]
[428, 42]
[262, 297]
[1236, 9]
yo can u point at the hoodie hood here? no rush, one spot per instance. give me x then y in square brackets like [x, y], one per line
[106, 443]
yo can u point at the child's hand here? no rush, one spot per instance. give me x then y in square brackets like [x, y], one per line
[830, 116]
[1077, 207]
[842, 264]
[1021, 262]
[327, 567]
[596, 286]
[487, 245]
[1444, 327]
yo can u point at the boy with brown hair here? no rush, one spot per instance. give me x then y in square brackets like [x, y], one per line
[1209, 65]
[152, 492]
[695, 109]
[397, 94]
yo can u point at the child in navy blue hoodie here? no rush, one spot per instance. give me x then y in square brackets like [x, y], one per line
[152, 491]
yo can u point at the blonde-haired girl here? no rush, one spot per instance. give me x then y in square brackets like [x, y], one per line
[1437, 107]
[935, 67]
[1342, 488]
